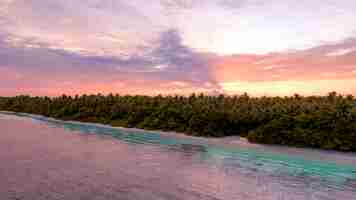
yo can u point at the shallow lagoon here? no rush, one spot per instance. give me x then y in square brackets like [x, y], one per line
[43, 158]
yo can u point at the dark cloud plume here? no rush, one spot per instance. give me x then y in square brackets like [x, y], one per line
[182, 62]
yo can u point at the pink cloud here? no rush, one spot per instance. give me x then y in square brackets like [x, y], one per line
[310, 64]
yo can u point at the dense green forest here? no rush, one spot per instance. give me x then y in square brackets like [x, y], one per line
[327, 122]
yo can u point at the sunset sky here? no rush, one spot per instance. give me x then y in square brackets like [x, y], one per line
[275, 47]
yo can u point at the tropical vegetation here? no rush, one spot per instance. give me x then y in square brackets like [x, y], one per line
[327, 122]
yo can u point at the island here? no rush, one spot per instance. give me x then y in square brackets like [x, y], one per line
[326, 122]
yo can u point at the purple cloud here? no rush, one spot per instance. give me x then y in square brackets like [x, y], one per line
[180, 63]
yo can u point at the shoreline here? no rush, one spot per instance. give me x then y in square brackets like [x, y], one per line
[227, 141]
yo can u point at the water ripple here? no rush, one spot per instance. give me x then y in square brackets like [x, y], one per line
[323, 178]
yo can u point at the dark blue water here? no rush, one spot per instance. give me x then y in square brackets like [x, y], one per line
[50, 159]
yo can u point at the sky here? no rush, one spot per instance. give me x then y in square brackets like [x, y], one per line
[275, 47]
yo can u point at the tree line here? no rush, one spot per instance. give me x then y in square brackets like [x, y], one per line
[327, 122]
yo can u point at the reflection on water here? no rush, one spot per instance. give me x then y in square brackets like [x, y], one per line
[49, 159]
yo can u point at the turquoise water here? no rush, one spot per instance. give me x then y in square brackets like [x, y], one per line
[237, 168]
